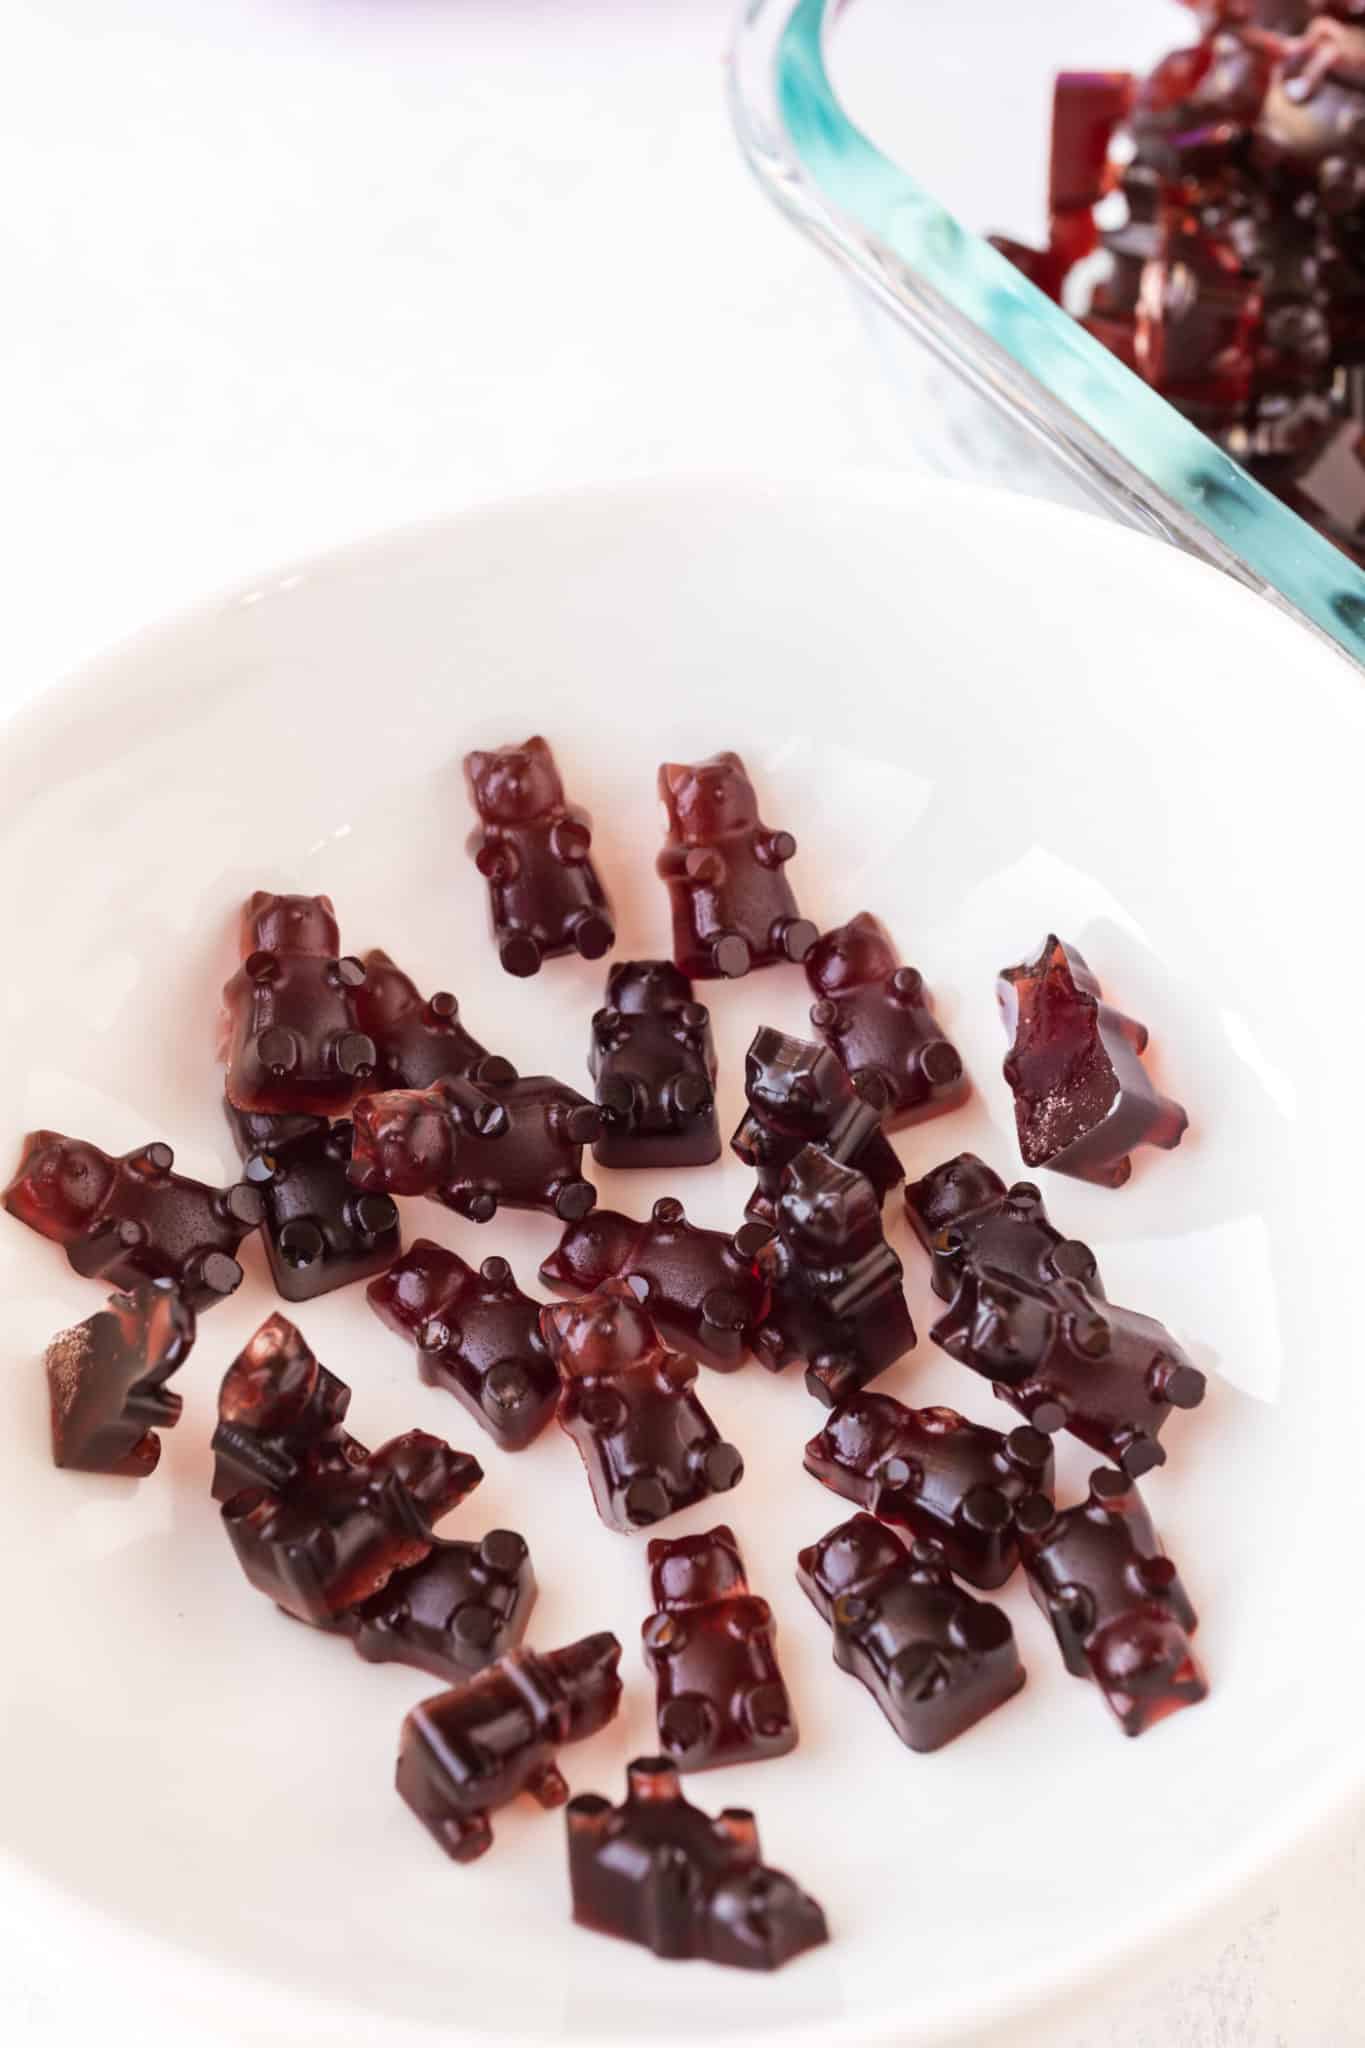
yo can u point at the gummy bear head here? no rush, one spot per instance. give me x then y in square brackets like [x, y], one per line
[1007, 1328]
[854, 955]
[61, 1186]
[857, 1550]
[590, 1251]
[589, 1682]
[792, 1084]
[422, 1284]
[690, 1570]
[1144, 1663]
[513, 785]
[956, 1188]
[858, 1434]
[404, 1143]
[708, 800]
[757, 1917]
[601, 1336]
[290, 924]
[827, 1214]
[276, 1381]
[647, 987]
[389, 994]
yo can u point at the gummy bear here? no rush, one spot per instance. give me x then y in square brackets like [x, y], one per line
[107, 1377]
[647, 1444]
[874, 1016]
[965, 1217]
[532, 848]
[948, 1481]
[418, 1041]
[658, 1871]
[1069, 1360]
[935, 1660]
[702, 1288]
[837, 1296]
[799, 1095]
[477, 1335]
[132, 1219]
[1082, 1099]
[454, 1613]
[654, 1063]
[291, 1031]
[337, 1532]
[277, 1408]
[733, 907]
[516, 1145]
[1117, 1607]
[711, 1646]
[320, 1232]
[466, 1752]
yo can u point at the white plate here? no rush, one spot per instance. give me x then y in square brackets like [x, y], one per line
[981, 718]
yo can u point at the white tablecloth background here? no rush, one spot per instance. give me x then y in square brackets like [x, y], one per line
[279, 272]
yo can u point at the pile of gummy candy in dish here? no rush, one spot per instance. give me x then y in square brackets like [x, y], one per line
[347, 1088]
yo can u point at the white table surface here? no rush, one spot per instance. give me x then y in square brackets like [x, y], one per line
[280, 272]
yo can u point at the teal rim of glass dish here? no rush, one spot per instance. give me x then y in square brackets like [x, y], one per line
[1280, 549]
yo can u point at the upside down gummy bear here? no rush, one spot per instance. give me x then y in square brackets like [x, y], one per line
[875, 1018]
[658, 1871]
[532, 848]
[711, 1646]
[654, 1063]
[290, 1028]
[107, 1379]
[733, 907]
[1082, 1098]
[464, 1753]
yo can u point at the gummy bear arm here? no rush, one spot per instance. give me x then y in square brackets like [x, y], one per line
[771, 849]
[571, 837]
[496, 859]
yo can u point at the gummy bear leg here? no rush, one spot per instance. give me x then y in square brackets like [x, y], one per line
[730, 956]
[520, 954]
[478, 1203]
[688, 1727]
[768, 1712]
[1170, 1127]
[1109, 1174]
[572, 1199]
[770, 1350]
[210, 1277]
[464, 1836]
[833, 1378]
[142, 1459]
[593, 934]
[875, 1088]
[548, 1787]
[1135, 1452]
[1136, 1034]
[722, 1314]
[794, 936]
[619, 1100]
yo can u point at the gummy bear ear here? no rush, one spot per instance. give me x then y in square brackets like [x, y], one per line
[672, 776]
[326, 904]
[535, 745]
[475, 766]
[257, 901]
[733, 760]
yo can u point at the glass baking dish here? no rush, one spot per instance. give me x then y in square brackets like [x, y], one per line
[833, 99]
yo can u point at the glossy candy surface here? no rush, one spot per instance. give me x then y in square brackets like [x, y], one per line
[453, 1613]
[658, 1871]
[799, 1095]
[533, 849]
[733, 907]
[966, 1218]
[838, 1299]
[419, 1040]
[711, 1645]
[277, 1409]
[1069, 1360]
[1082, 1098]
[654, 1062]
[1116, 1604]
[477, 1335]
[290, 1028]
[702, 1288]
[874, 1016]
[933, 1659]
[320, 1231]
[514, 1145]
[106, 1381]
[133, 1219]
[465, 1753]
[647, 1444]
[948, 1481]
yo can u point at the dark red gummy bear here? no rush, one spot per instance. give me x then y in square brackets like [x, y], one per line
[106, 1382]
[1082, 1098]
[875, 1018]
[532, 848]
[291, 1031]
[702, 1288]
[838, 1299]
[948, 1481]
[935, 1660]
[320, 1232]
[1117, 1607]
[711, 1645]
[658, 1871]
[799, 1095]
[733, 907]
[462, 1607]
[466, 1752]
[1069, 1360]
[647, 1444]
[419, 1041]
[515, 1145]
[337, 1532]
[131, 1220]
[278, 1409]
[477, 1335]
[654, 1063]
[966, 1218]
